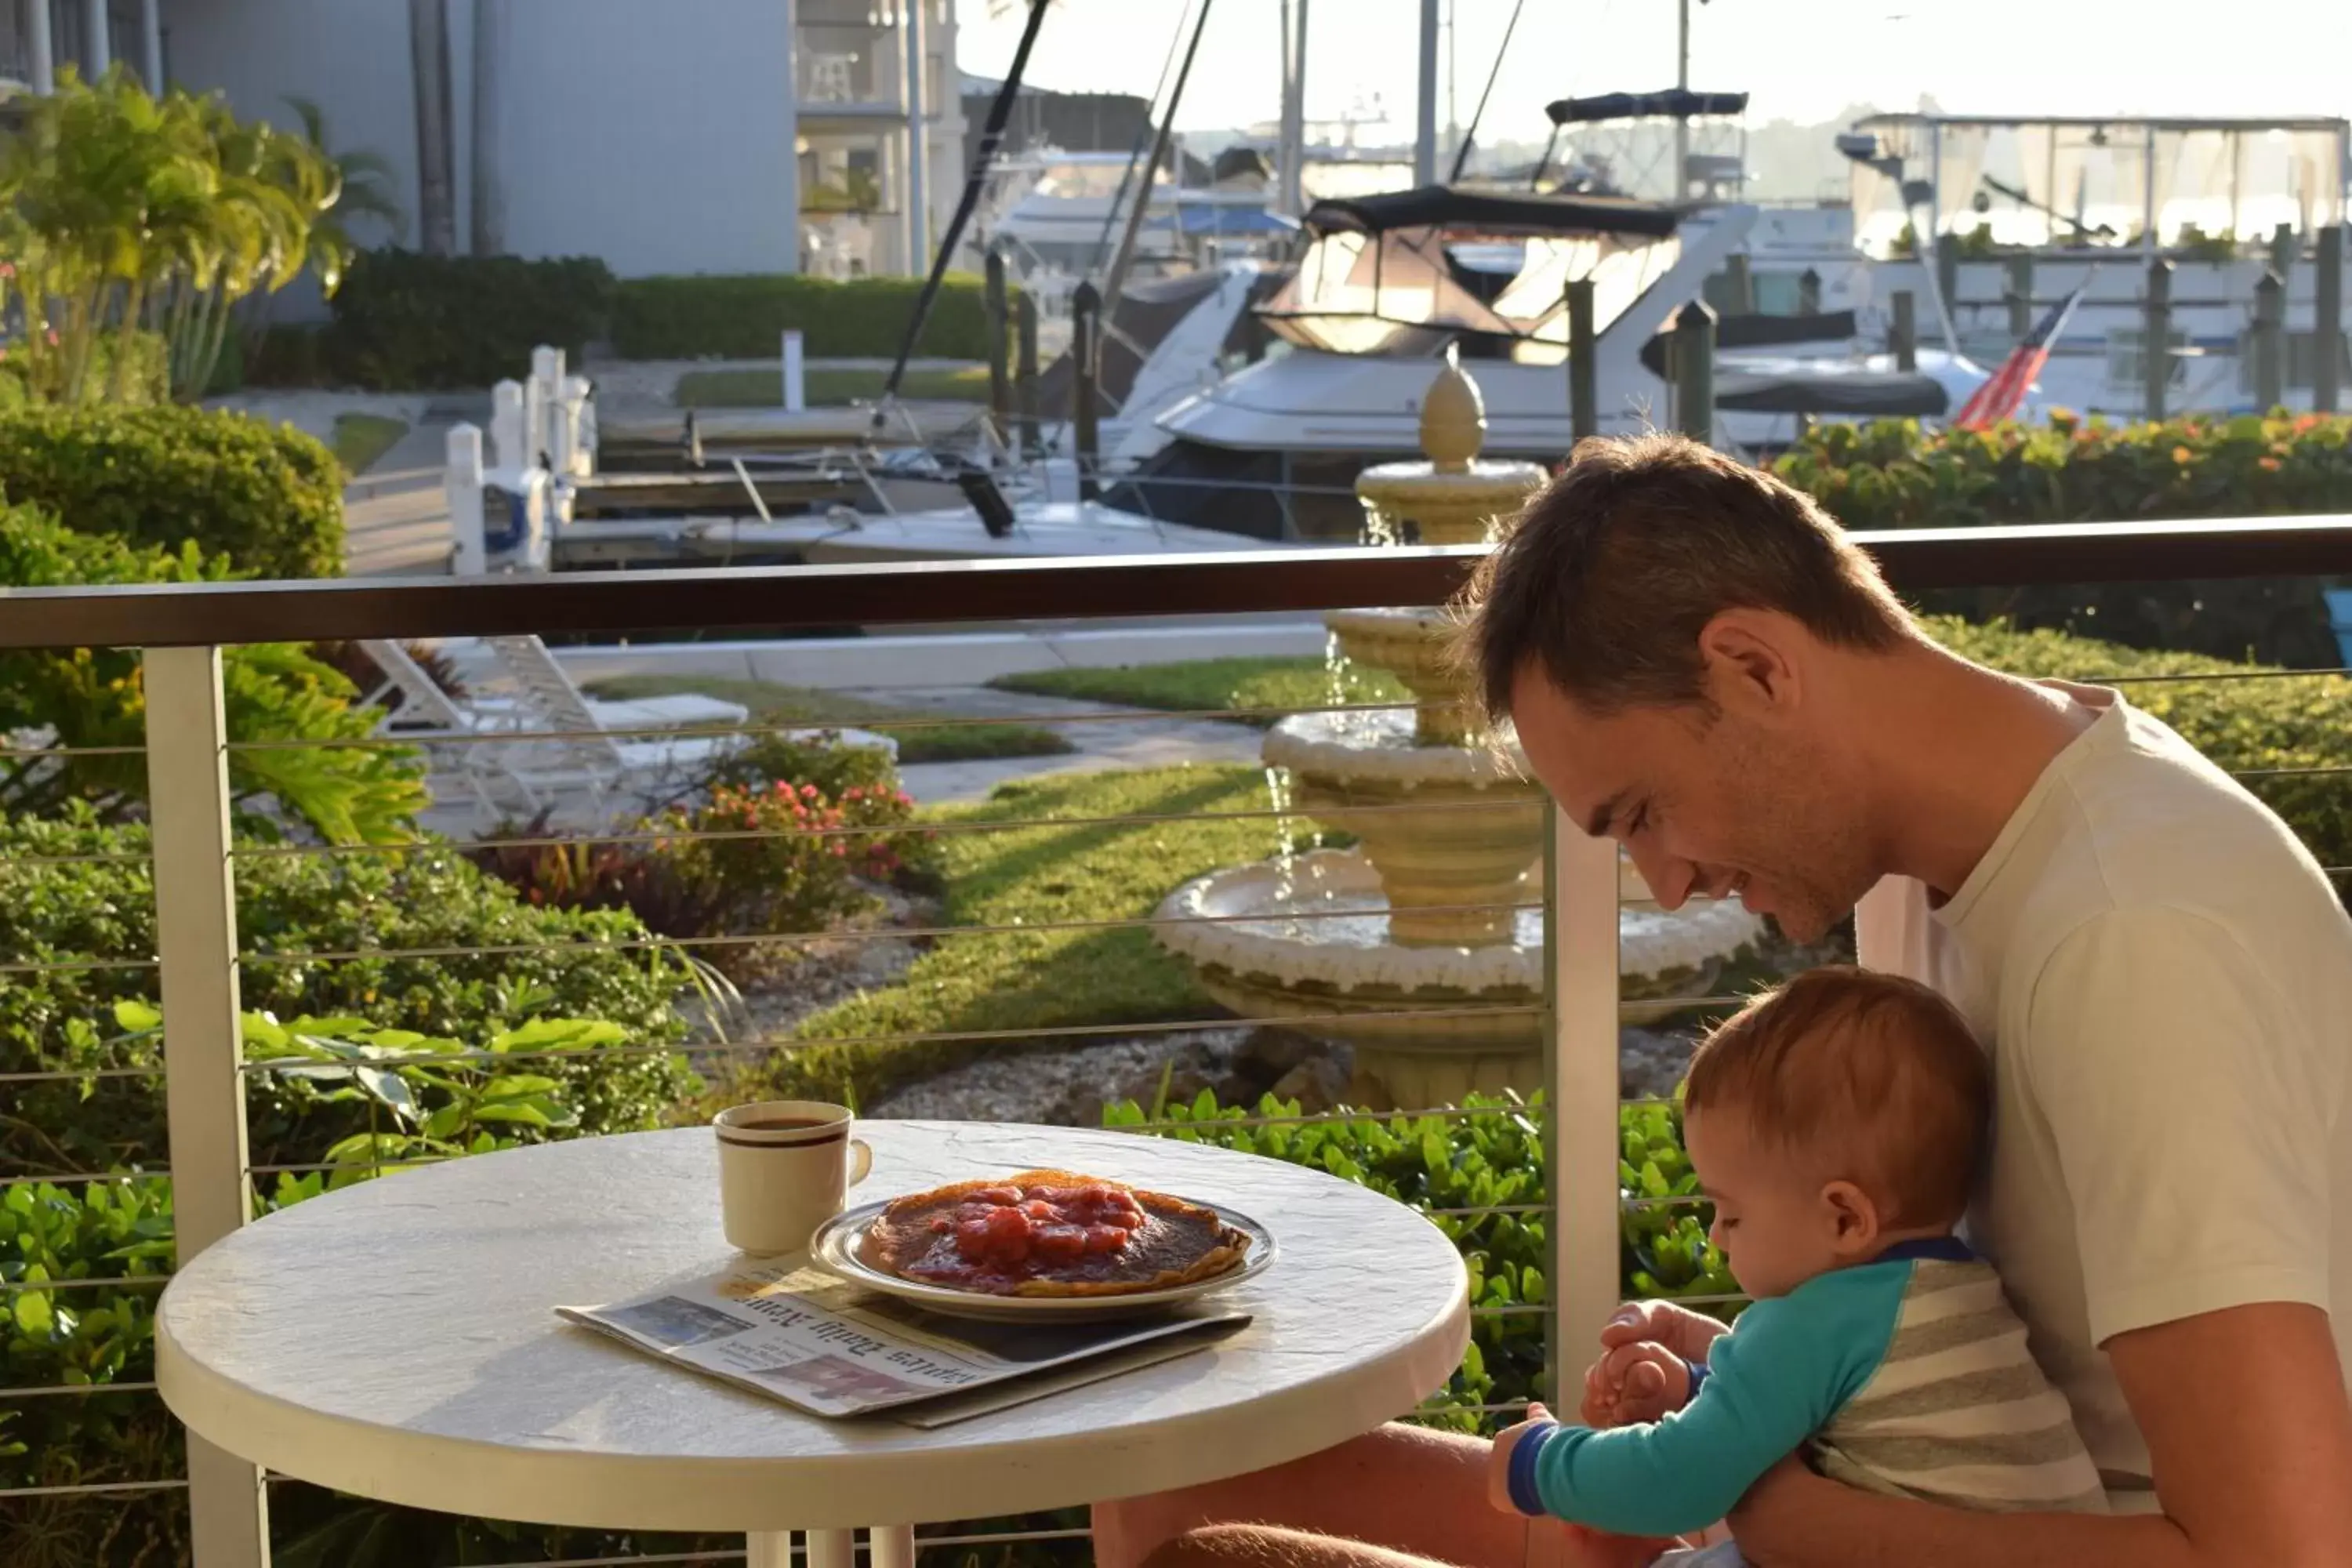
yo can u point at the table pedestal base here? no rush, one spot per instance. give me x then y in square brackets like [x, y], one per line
[887, 1547]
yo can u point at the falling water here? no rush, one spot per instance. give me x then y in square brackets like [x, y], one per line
[1286, 842]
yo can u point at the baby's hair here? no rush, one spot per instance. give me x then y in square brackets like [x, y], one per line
[1868, 1071]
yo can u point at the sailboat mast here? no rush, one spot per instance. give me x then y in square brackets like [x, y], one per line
[1681, 80]
[1424, 145]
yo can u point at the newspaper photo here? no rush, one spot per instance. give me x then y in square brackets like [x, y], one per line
[822, 1345]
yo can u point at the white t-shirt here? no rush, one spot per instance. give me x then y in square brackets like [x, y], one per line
[2163, 975]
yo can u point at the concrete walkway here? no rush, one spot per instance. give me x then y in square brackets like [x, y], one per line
[396, 515]
[1123, 740]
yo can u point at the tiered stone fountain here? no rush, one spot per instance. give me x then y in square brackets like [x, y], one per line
[1414, 947]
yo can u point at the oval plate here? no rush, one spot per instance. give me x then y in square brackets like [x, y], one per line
[833, 1248]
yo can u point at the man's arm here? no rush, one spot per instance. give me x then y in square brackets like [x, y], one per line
[2250, 1435]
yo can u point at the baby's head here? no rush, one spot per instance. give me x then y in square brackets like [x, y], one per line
[1831, 1117]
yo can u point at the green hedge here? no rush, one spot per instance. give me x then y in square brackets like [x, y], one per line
[269, 498]
[1892, 474]
[508, 960]
[407, 321]
[742, 316]
[1492, 1161]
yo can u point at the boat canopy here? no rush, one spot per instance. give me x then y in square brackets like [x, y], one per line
[1469, 212]
[1674, 103]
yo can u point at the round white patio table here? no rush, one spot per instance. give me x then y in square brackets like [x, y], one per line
[398, 1340]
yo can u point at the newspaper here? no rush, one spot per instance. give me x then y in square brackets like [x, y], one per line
[822, 1345]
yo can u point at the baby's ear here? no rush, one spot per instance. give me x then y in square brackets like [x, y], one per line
[1852, 1219]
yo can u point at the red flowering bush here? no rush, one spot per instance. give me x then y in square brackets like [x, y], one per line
[784, 856]
[752, 858]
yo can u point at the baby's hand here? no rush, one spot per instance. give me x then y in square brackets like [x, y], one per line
[1498, 1457]
[1634, 1383]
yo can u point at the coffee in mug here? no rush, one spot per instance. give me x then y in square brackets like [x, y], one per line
[785, 1167]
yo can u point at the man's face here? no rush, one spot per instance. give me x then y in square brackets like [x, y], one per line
[1739, 801]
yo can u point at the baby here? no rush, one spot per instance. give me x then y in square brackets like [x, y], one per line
[1836, 1124]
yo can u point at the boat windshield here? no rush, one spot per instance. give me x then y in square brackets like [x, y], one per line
[1410, 291]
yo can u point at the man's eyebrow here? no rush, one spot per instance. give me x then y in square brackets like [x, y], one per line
[1597, 825]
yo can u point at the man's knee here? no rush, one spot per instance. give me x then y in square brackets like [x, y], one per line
[1220, 1546]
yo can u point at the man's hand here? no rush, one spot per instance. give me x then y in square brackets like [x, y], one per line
[1636, 1383]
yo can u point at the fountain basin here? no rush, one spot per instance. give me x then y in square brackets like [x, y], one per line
[1415, 646]
[1472, 829]
[1312, 942]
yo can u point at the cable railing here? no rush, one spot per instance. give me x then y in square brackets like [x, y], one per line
[226, 1155]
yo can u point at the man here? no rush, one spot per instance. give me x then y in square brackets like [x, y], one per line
[1701, 666]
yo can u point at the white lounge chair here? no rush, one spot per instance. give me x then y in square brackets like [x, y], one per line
[423, 704]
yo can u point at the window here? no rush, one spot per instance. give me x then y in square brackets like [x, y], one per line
[2124, 364]
[2301, 359]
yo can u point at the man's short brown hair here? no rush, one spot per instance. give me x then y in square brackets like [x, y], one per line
[1611, 572]
[1875, 1076]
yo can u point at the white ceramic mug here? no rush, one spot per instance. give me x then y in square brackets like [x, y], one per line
[784, 1166]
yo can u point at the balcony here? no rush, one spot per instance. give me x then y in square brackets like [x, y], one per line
[849, 71]
[1038, 931]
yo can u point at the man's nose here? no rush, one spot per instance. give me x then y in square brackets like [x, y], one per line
[1669, 877]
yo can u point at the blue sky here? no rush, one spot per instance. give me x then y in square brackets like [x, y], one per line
[1799, 59]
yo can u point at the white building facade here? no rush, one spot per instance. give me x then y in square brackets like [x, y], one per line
[664, 136]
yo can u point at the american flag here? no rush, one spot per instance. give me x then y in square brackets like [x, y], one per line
[1998, 398]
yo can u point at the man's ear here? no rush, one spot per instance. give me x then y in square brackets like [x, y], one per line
[1751, 661]
[1852, 1219]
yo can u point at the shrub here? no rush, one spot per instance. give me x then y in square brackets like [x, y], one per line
[2289, 730]
[492, 964]
[403, 321]
[269, 499]
[765, 858]
[1494, 1161]
[1891, 474]
[95, 698]
[123, 1228]
[148, 382]
[277, 355]
[742, 316]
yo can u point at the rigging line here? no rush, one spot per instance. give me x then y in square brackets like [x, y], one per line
[1470, 132]
[1143, 139]
[991, 136]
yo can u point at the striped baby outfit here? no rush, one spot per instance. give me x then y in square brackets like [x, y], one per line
[1908, 1374]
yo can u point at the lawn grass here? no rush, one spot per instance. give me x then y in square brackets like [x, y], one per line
[361, 438]
[810, 705]
[1206, 685]
[765, 387]
[1037, 875]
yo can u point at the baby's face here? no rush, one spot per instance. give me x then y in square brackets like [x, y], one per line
[1773, 1219]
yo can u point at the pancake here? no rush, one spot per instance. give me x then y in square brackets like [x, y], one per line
[1049, 1233]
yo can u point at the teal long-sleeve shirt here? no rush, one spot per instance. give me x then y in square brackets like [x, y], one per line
[1770, 1385]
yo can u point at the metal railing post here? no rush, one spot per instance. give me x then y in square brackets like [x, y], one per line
[1691, 356]
[196, 935]
[1086, 346]
[1025, 375]
[2155, 339]
[1000, 390]
[2328, 320]
[2269, 341]
[2020, 297]
[1584, 384]
[1903, 331]
[1581, 917]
